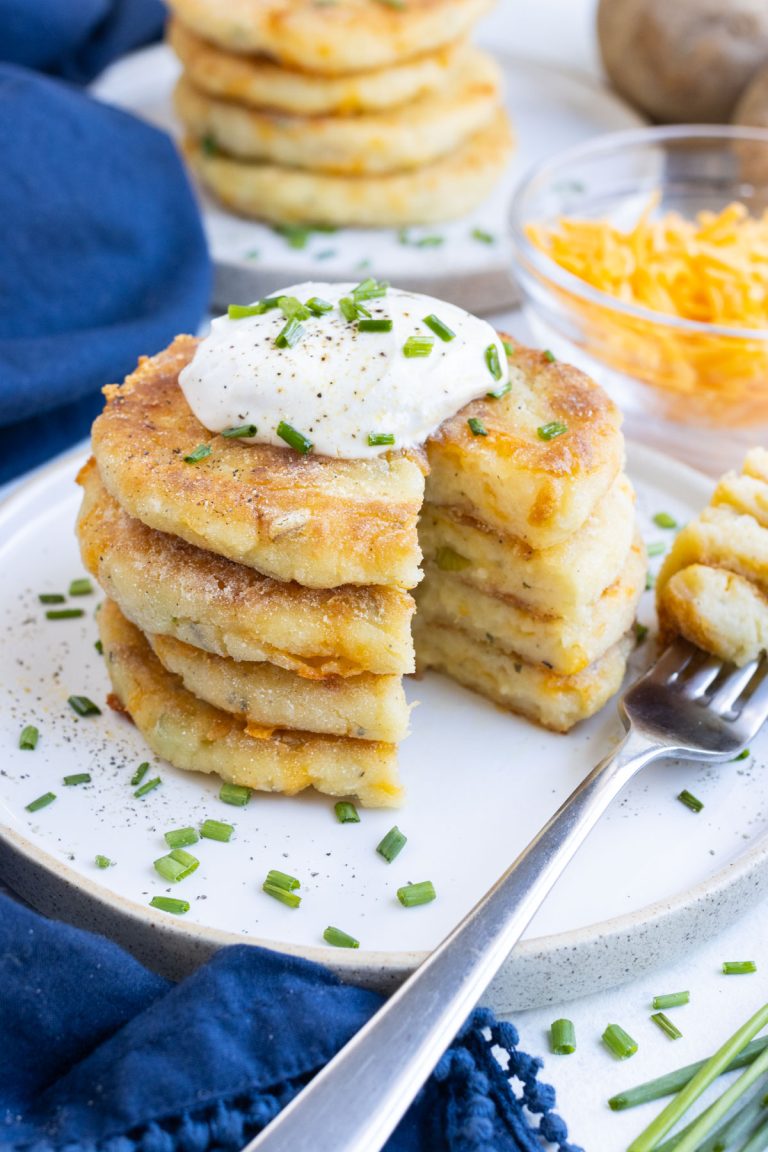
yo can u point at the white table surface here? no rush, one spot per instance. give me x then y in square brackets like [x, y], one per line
[563, 30]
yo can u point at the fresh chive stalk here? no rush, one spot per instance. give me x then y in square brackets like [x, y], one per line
[51, 598]
[346, 813]
[64, 613]
[417, 346]
[441, 330]
[619, 1042]
[236, 794]
[664, 520]
[449, 561]
[240, 433]
[666, 1025]
[198, 454]
[671, 1000]
[148, 787]
[492, 361]
[81, 587]
[29, 738]
[180, 837]
[690, 801]
[339, 939]
[411, 895]
[168, 904]
[552, 430]
[477, 427]
[103, 861]
[83, 706]
[562, 1037]
[392, 844]
[296, 440]
[375, 439]
[284, 895]
[216, 830]
[738, 967]
[282, 880]
[41, 802]
[384, 324]
[676, 1080]
[177, 865]
[78, 778]
[139, 774]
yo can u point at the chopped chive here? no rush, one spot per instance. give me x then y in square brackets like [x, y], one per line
[318, 306]
[671, 1000]
[78, 778]
[296, 440]
[666, 1025]
[236, 794]
[180, 837]
[346, 813]
[649, 581]
[294, 234]
[552, 430]
[282, 880]
[339, 939]
[562, 1038]
[641, 632]
[240, 432]
[449, 561]
[292, 308]
[290, 334]
[477, 427]
[198, 454]
[177, 865]
[64, 613]
[51, 598]
[29, 738]
[482, 236]
[103, 861]
[241, 311]
[741, 756]
[738, 967]
[442, 331]
[656, 548]
[139, 774]
[83, 706]
[619, 1042]
[664, 520]
[392, 844]
[41, 802]
[411, 895]
[383, 325]
[549, 356]
[216, 830]
[370, 289]
[433, 241]
[497, 393]
[99, 647]
[508, 347]
[81, 587]
[150, 786]
[690, 801]
[168, 904]
[417, 346]
[208, 144]
[377, 438]
[673, 1082]
[281, 894]
[326, 254]
[348, 308]
[493, 362]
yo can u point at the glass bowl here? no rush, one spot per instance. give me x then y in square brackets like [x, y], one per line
[696, 390]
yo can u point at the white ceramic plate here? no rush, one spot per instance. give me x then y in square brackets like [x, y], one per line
[551, 109]
[480, 782]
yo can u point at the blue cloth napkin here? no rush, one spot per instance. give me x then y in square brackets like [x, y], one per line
[100, 1055]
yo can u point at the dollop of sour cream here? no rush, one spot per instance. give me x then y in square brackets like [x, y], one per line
[338, 386]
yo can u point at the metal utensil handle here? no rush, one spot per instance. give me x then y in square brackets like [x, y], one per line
[356, 1101]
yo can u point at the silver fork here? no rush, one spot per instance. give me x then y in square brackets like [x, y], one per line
[688, 705]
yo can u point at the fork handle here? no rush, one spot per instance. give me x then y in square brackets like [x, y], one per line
[356, 1101]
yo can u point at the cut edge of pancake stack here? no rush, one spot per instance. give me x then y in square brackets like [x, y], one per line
[713, 586]
[357, 113]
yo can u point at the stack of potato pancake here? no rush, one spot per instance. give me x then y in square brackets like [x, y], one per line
[259, 615]
[359, 112]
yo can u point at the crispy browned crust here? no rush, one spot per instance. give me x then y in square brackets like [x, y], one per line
[320, 521]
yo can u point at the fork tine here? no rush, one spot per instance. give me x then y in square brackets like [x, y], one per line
[673, 661]
[755, 711]
[732, 687]
[701, 678]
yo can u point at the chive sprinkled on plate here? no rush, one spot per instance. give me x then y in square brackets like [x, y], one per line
[477, 427]
[99, 647]
[282, 880]
[671, 1000]
[666, 1025]
[449, 561]
[738, 967]
[375, 439]
[482, 236]
[649, 581]
[552, 430]
[77, 778]
[168, 904]
[339, 939]
[392, 844]
[216, 830]
[664, 520]
[619, 1042]
[139, 774]
[492, 361]
[181, 837]
[656, 548]
[83, 706]
[743, 755]
[441, 330]
[240, 433]
[28, 738]
[549, 356]
[641, 632]
[198, 454]
[284, 895]
[690, 801]
[295, 235]
[176, 866]
[51, 598]
[150, 786]
[411, 895]
[290, 334]
[81, 587]
[236, 794]
[64, 613]
[296, 440]
[103, 861]
[41, 802]
[374, 325]
[562, 1037]
[417, 346]
[346, 813]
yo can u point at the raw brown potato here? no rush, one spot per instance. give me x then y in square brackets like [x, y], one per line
[752, 108]
[683, 60]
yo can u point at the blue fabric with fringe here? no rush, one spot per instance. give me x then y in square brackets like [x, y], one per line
[100, 1055]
